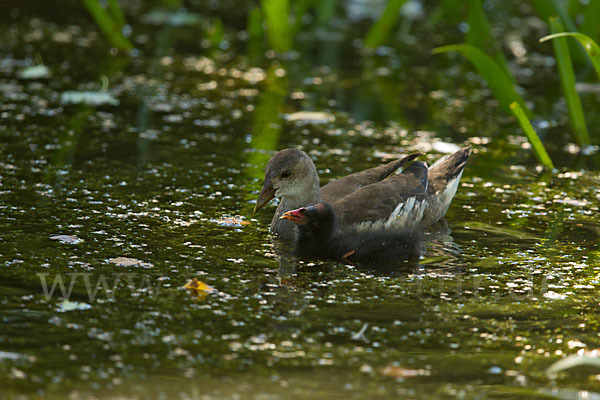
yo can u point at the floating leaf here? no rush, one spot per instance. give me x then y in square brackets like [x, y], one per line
[88, 97]
[199, 289]
[69, 239]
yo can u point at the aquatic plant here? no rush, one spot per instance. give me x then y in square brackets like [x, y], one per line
[480, 35]
[567, 80]
[382, 27]
[590, 46]
[532, 136]
[111, 22]
[504, 91]
[276, 15]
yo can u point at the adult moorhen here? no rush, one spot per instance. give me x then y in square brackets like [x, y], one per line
[317, 235]
[369, 199]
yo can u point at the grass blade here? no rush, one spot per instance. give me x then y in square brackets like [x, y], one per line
[591, 16]
[108, 25]
[276, 13]
[592, 49]
[571, 362]
[215, 32]
[497, 79]
[567, 80]
[325, 11]
[452, 10]
[553, 8]
[117, 13]
[301, 6]
[534, 139]
[255, 34]
[382, 28]
[480, 34]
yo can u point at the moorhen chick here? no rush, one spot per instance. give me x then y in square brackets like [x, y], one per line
[317, 235]
[368, 199]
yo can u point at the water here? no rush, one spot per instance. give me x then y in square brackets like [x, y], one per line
[159, 189]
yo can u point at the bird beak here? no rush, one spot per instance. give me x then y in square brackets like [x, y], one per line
[295, 216]
[266, 194]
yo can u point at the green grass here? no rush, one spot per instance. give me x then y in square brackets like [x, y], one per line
[547, 9]
[380, 31]
[110, 23]
[480, 34]
[590, 46]
[567, 80]
[504, 91]
[497, 79]
[534, 139]
[279, 32]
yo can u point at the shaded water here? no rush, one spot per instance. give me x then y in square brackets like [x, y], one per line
[149, 194]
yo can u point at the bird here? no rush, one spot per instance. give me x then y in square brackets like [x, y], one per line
[369, 200]
[318, 236]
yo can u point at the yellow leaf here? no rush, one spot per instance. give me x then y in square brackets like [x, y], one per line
[198, 288]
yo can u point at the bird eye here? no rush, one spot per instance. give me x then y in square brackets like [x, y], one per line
[286, 174]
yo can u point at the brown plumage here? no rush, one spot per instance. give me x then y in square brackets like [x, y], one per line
[368, 200]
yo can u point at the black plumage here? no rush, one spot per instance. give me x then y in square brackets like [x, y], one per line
[319, 236]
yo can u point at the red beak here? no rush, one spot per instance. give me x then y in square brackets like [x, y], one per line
[296, 216]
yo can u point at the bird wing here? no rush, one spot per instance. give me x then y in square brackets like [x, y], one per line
[444, 177]
[342, 187]
[397, 202]
[446, 169]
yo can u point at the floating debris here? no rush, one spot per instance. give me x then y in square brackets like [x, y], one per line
[172, 18]
[67, 305]
[68, 239]
[129, 262]
[311, 117]
[88, 97]
[35, 72]
[571, 362]
[360, 335]
[230, 221]
[392, 371]
[7, 355]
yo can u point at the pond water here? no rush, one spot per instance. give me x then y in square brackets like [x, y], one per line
[142, 196]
